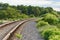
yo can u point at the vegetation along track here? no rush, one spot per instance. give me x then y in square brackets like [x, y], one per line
[5, 29]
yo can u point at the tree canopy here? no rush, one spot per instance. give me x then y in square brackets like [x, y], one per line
[12, 11]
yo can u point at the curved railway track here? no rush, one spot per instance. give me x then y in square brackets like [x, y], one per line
[7, 28]
[7, 31]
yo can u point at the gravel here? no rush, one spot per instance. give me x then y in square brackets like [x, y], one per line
[6, 29]
[30, 31]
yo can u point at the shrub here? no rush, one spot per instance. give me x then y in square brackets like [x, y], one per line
[41, 23]
[47, 32]
[50, 18]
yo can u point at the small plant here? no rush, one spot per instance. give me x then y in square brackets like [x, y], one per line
[18, 35]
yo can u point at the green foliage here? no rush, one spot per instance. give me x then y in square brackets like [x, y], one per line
[1, 22]
[18, 35]
[54, 37]
[7, 11]
[32, 15]
[58, 25]
[41, 23]
[48, 32]
[39, 19]
[49, 26]
[11, 13]
[50, 18]
[55, 13]
[36, 11]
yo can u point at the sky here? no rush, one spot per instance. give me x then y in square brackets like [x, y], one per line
[55, 4]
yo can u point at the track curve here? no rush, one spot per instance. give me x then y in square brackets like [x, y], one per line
[5, 29]
[29, 32]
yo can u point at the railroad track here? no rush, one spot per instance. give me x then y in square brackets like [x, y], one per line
[7, 29]
[17, 29]
[28, 31]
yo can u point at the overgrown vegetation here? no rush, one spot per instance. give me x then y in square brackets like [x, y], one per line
[49, 26]
[9, 13]
[19, 12]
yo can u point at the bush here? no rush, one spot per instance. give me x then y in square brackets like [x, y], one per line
[51, 30]
[46, 27]
[41, 23]
[50, 18]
